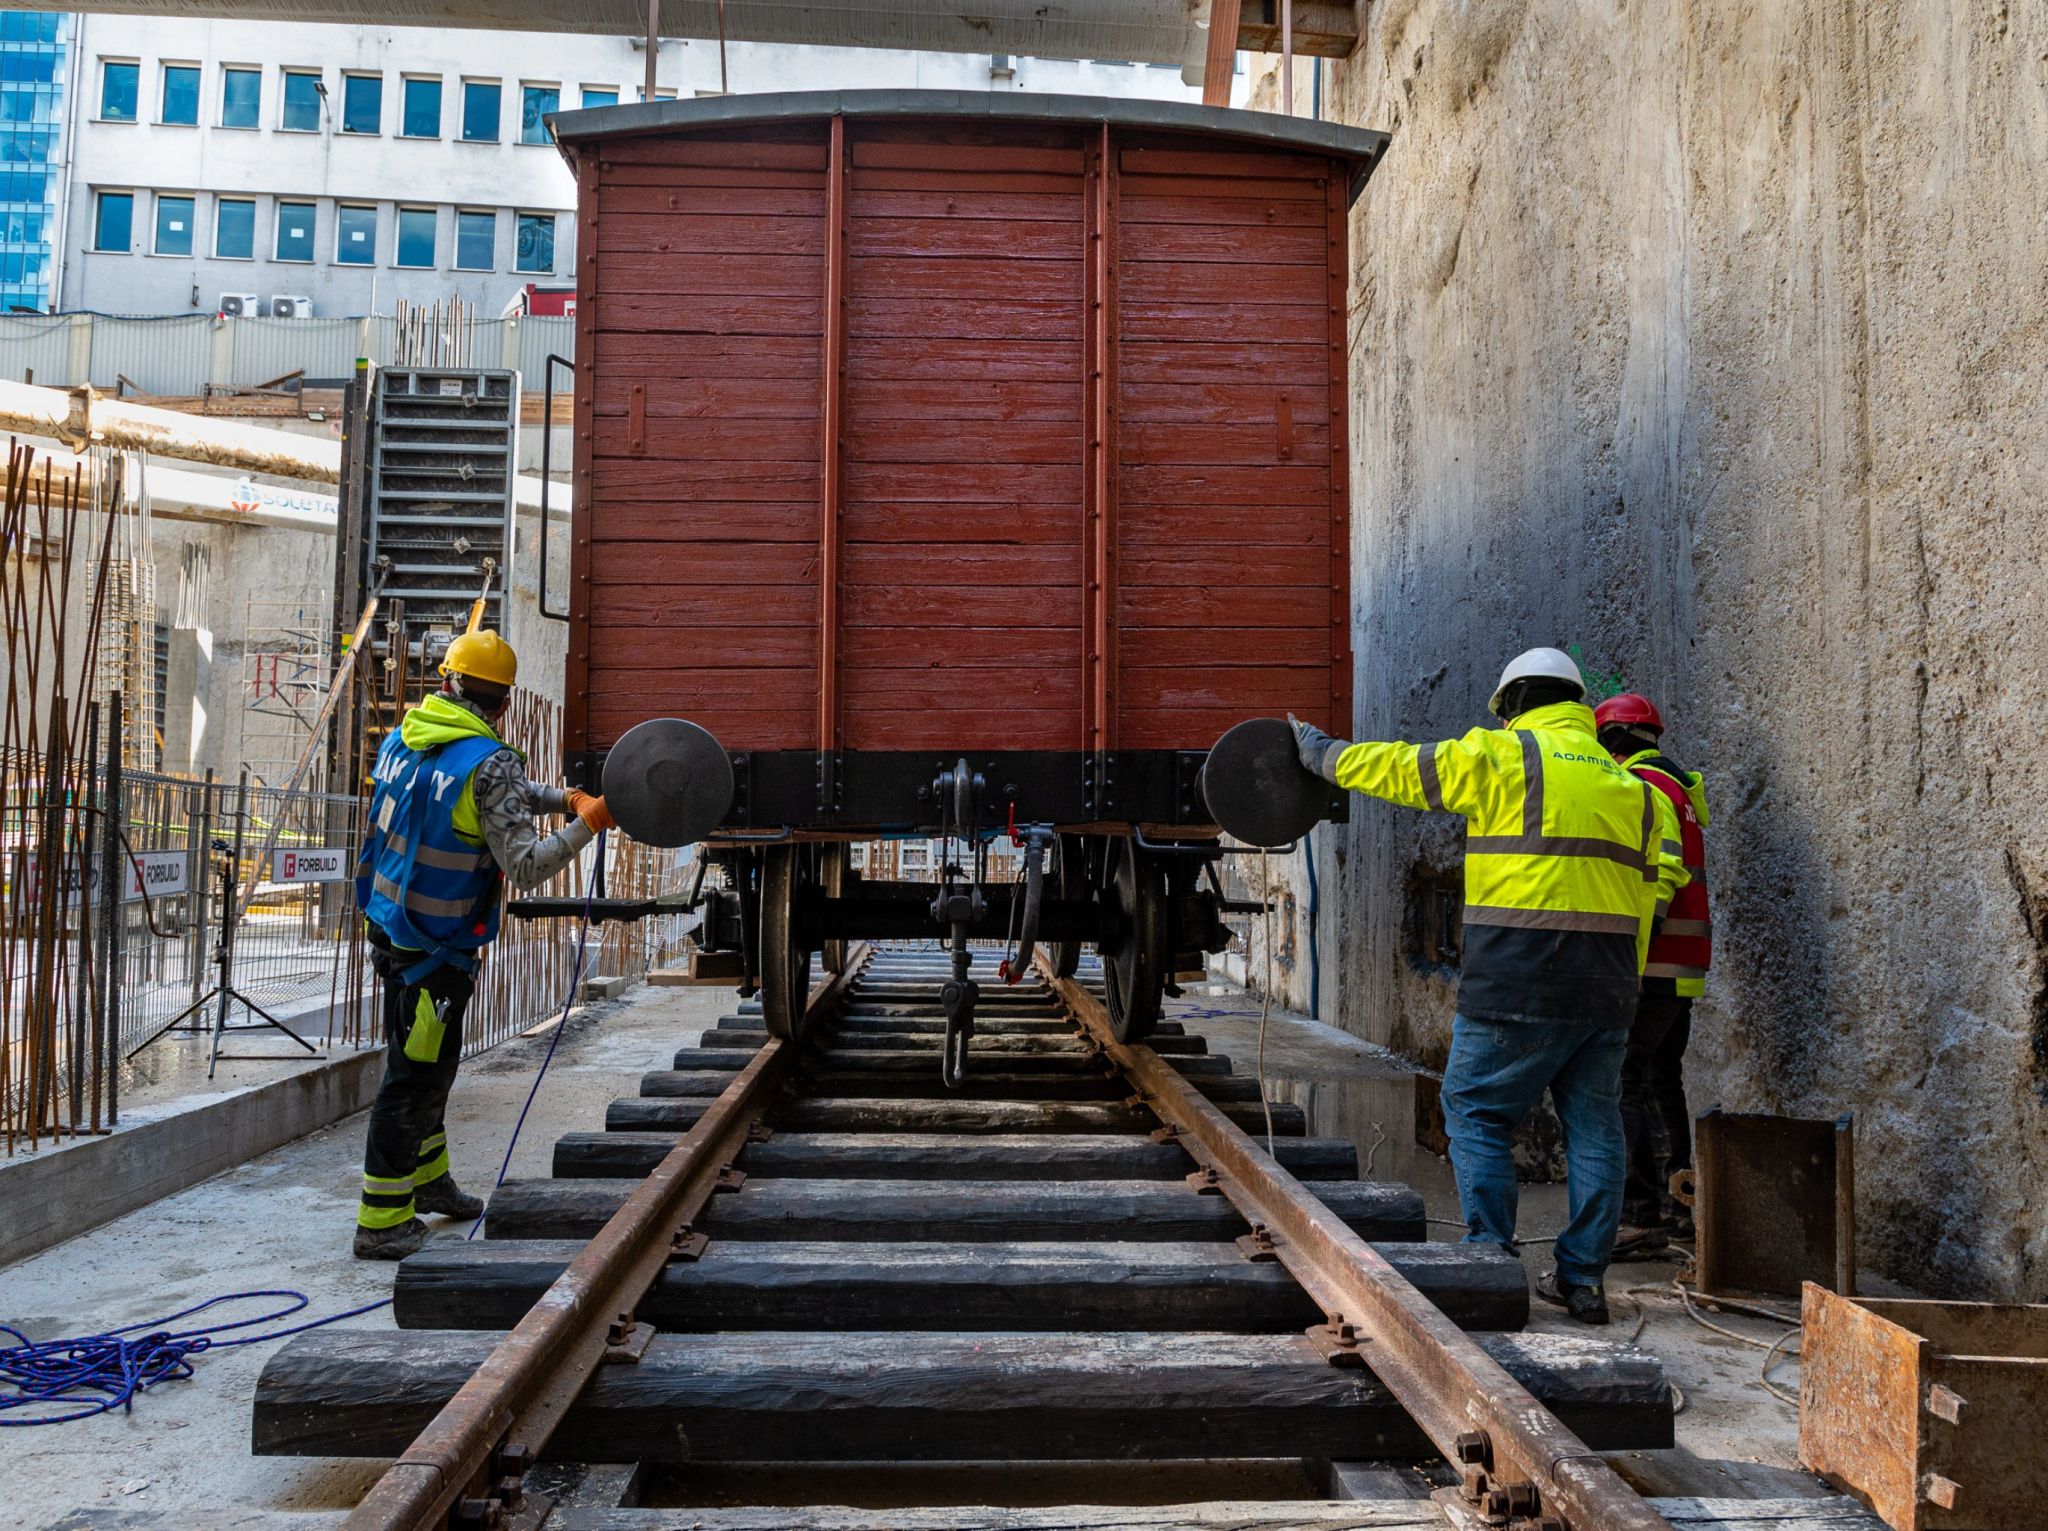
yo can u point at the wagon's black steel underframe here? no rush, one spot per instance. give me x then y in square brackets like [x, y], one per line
[891, 790]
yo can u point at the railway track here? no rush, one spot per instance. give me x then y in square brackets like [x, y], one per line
[784, 1280]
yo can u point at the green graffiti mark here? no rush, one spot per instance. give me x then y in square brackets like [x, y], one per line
[1600, 685]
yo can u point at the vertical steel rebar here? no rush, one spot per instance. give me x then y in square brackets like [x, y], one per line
[116, 879]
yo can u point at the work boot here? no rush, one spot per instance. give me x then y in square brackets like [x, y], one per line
[1633, 1242]
[1587, 1304]
[444, 1198]
[393, 1243]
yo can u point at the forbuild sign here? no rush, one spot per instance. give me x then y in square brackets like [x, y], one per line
[318, 865]
[152, 874]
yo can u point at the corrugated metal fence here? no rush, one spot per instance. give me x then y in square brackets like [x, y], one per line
[180, 356]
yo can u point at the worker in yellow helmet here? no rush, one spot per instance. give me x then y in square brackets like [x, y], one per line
[451, 819]
[1569, 862]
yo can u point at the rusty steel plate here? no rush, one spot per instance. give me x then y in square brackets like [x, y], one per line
[668, 782]
[1256, 789]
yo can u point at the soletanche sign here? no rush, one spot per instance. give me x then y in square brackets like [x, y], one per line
[309, 865]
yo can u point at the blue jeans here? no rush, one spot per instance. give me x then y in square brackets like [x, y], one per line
[1497, 1073]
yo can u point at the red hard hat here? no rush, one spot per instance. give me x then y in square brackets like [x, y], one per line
[1629, 711]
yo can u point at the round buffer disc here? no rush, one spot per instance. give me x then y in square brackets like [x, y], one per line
[1256, 788]
[668, 782]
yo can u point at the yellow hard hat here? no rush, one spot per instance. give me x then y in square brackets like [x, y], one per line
[483, 655]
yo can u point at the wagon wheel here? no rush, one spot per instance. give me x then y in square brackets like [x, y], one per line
[1069, 881]
[832, 858]
[1133, 974]
[785, 954]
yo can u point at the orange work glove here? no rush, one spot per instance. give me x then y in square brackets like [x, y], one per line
[591, 810]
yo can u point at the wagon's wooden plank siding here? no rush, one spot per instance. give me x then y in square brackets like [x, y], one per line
[701, 566]
[1224, 441]
[963, 439]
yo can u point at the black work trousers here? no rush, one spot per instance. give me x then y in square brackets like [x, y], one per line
[1654, 1117]
[408, 1141]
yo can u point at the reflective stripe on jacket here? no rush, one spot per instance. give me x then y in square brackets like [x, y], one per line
[1568, 861]
[418, 879]
[1683, 948]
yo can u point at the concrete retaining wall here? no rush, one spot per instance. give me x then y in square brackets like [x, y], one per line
[1712, 340]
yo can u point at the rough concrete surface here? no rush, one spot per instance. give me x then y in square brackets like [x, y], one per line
[1711, 339]
[285, 1221]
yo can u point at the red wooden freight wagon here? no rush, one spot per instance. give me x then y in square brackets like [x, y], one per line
[953, 463]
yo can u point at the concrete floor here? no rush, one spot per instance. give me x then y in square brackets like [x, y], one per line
[283, 1221]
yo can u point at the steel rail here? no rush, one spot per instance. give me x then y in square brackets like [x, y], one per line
[1519, 1460]
[484, 1438]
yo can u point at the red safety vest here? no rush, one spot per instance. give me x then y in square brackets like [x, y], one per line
[1683, 947]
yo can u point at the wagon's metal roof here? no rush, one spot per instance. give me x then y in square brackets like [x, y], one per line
[1361, 146]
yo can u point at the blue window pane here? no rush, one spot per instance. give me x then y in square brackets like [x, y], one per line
[355, 236]
[594, 97]
[234, 229]
[174, 225]
[181, 95]
[479, 112]
[241, 98]
[362, 103]
[536, 101]
[294, 231]
[301, 103]
[117, 91]
[536, 243]
[416, 236]
[422, 109]
[115, 228]
[476, 241]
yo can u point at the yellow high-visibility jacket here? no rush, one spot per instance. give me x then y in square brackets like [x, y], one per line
[1569, 860]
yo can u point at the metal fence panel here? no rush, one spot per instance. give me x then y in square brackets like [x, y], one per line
[268, 348]
[542, 335]
[163, 356]
[38, 348]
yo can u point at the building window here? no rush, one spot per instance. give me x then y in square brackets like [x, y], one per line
[362, 103]
[241, 98]
[422, 117]
[295, 231]
[180, 105]
[536, 243]
[234, 228]
[301, 102]
[118, 88]
[113, 228]
[355, 236]
[600, 95]
[416, 236]
[173, 225]
[476, 241]
[535, 102]
[480, 111]
[659, 94]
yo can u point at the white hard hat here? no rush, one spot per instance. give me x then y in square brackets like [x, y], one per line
[1537, 664]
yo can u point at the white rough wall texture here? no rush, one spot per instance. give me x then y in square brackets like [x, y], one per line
[1710, 337]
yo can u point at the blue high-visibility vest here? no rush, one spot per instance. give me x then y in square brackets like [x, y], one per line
[418, 881]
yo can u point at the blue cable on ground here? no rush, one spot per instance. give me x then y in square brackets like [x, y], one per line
[98, 1373]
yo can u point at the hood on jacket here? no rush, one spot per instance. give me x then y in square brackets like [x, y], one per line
[1557, 718]
[440, 720]
[1694, 782]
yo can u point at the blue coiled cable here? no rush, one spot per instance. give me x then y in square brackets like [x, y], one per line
[98, 1373]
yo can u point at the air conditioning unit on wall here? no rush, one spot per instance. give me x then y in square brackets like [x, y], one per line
[291, 308]
[239, 305]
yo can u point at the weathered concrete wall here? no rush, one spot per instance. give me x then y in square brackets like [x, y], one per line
[1710, 338]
